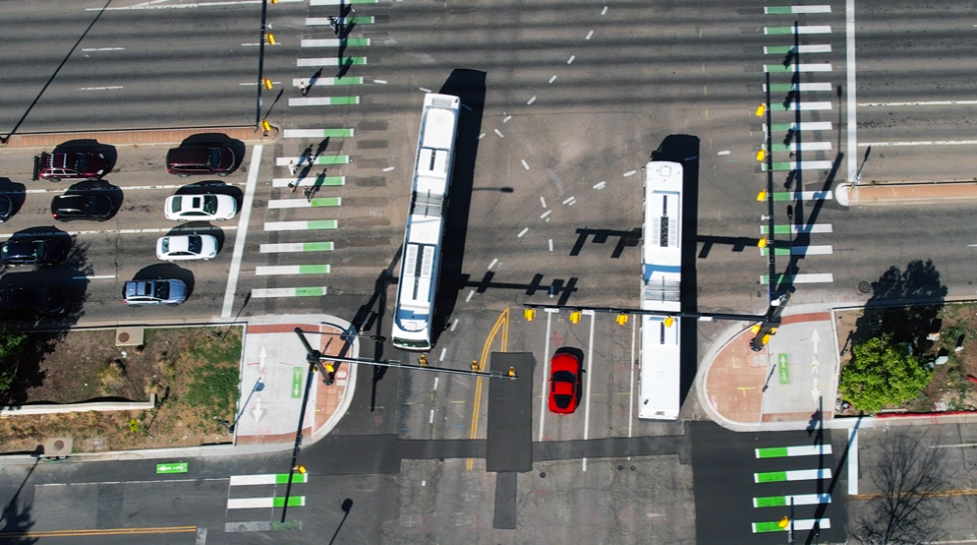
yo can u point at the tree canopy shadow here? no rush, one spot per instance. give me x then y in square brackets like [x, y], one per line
[905, 305]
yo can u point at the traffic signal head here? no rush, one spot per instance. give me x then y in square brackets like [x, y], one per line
[267, 83]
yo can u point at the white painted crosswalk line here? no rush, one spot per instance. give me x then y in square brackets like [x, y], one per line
[336, 42]
[291, 269]
[784, 229]
[808, 126]
[793, 68]
[279, 204]
[326, 82]
[822, 278]
[803, 106]
[275, 293]
[289, 247]
[825, 29]
[780, 50]
[802, 87]
[329, 61]
[323, 101]
[800, 250]
[805, 146]
[304, 182]
[268, 478]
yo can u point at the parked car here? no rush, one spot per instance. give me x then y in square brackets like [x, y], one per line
[564, 383]
[186, 247]
[6, 208]
[200, 207]
[69, 165]
[39, 300]
[154, 292]
[32, 251]
[81, 207]
[217, 160]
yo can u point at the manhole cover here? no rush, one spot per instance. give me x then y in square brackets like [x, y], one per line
[123, 337]
[59, 445]
[864, 286]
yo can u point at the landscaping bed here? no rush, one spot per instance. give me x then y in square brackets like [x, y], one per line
[194, 373]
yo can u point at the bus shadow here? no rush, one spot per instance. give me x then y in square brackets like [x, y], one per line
[469, 86]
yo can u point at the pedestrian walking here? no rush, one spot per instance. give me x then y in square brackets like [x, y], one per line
[334, 24]
[303, 88]
[291, 167]
[291, 187]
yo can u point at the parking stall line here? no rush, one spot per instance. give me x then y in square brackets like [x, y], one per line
[330, 61]
[785, 49]
[287, 247]
[318, 133]
[274, 293]
[300, 225]
[303, 203]
[324, 101]
[798, 499]
[823, 278]
[306, 182]
[776, 30]
[799, 524]
[291, 269]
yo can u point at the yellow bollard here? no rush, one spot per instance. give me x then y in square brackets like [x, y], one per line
[761, 155]
[271, 38]
[761, 196]
[574, 316]
[529, 314]
[761, 109]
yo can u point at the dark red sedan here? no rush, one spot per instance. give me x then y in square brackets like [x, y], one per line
[69, 165]
[564, 383]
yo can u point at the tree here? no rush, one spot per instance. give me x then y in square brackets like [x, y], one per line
[882, 373]
[907, 474]
[12, 347]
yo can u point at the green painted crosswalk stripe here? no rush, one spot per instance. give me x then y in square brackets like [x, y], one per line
[780, 50]
[322, 224]
[781, 127]
[357, 20]
[772, 452]
[353, 60]
[773, 30]
[782, 166]
[777, 229]
[770, 501]
[764, 252]
[343, 101]
[777, 68]
[293, 501]
[778, 10]
[336, 160]
[310, 291]
[317, 247]
[324, 201]
[771, 477]
[356, 42]
[282, 478]
[313, 269]
[763, 527]
[347, 80]
[337, 133]
[330, 180]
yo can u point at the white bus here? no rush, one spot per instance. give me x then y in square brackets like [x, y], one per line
[659, 361]
[421, 261]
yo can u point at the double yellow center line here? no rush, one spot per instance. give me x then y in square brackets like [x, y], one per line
[503, 324]
[102, 532]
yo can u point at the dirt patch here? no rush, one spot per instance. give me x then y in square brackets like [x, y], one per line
[194, 373]
[949, 389]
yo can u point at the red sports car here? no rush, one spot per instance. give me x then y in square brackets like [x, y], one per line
[564, 383]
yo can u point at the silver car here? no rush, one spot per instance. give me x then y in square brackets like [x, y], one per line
[154, 292]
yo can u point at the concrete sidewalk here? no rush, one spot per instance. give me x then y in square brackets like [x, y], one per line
[247, 134]
[910, 193]
[275, 357]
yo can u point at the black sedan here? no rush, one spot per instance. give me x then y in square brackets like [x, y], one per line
[39, 300]
[81, 207]
[32, 251]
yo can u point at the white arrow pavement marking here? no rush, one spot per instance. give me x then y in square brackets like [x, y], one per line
[263, 355]
[257, 413]
[815, 339]
[815, 390]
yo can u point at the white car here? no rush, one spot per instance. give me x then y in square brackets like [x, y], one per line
[186, 247]
[200, 207]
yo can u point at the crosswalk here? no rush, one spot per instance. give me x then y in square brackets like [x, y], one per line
[309, 203]
[261, 491]
[794, 134]
[806, 478]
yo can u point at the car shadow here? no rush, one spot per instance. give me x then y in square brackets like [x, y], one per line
[90, 144]
[203, 140]
[213, 187]
[16, 191]
[199, 228]
[166, 271]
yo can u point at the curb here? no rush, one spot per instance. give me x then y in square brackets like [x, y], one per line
[246, 133]
[904, 193]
